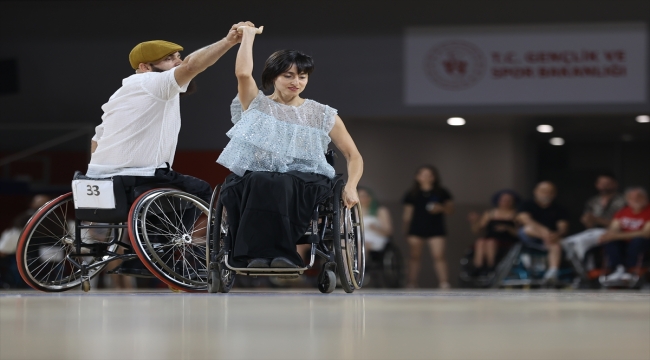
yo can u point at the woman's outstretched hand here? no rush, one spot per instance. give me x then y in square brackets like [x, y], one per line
[234, 35]
[246, 27]
[350, 196]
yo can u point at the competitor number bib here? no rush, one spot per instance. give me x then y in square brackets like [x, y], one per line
[93, 194]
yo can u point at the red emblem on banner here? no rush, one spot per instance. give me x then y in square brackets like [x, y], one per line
[455, 65]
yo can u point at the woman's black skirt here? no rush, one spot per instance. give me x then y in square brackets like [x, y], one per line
[268, 212]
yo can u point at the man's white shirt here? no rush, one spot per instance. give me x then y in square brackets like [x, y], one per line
[140, 126]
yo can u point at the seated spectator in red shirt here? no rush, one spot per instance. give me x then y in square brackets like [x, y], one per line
[628, 234]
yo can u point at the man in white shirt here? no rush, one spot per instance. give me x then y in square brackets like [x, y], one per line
[141, 121]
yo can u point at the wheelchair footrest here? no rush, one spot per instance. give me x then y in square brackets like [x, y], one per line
[266, 272]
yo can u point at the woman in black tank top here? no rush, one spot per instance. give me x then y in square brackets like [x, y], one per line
[425, 208]
[497, 225]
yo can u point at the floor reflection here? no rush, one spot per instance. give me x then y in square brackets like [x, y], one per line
[287, 325]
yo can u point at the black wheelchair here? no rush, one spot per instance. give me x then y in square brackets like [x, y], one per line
[335, 234]
[64, 244]
[385, 268]
[518, 265]
[505, 256]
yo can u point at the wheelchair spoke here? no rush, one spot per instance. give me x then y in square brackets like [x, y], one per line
[59, 274]
[46, 262]
[165, 221]
[162, 231]
[178, 217]
[197, 254]
[48, 230]
[45, 255]
[170, 223]
[172, 247]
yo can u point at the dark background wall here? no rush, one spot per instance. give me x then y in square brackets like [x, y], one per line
[70, 56]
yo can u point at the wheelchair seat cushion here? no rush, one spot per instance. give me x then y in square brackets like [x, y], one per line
[269, 212]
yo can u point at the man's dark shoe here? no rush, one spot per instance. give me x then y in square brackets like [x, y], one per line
[259, 263]
[281, 262]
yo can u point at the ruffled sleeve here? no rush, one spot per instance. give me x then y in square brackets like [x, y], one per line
[329, 118]
[236, 108]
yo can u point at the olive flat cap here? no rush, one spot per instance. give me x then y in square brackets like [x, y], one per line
[152, 51]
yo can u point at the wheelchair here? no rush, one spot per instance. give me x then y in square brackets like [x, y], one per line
[65, 244]
[506, 254]
[526, 266]
[335, 234]
[385, 268]
[521, 265]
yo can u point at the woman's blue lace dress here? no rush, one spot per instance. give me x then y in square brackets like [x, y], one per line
[270, 136]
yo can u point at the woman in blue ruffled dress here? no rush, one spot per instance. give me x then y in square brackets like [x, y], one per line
[277, 155]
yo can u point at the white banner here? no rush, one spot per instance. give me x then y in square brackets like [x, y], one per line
[569, 64]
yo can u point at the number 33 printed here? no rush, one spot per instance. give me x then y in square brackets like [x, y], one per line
[92, 190]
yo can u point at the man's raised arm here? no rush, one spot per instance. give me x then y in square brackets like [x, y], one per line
[201, 59]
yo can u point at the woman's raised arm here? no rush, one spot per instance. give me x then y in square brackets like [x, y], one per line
[246, 86]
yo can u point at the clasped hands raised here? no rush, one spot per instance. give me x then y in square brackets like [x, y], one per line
[236, 32]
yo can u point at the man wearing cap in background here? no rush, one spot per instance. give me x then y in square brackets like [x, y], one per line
[141, 121]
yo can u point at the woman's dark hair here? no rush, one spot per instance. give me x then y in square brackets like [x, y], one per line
[281, 61]
[437, 182]
[515, 197]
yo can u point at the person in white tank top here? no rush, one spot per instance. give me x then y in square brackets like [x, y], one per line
[376, 221]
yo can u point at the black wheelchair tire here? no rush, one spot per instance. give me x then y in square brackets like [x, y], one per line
[221, 274]
[328, 282]
[227, 281]
[214, 282]
[341, 265]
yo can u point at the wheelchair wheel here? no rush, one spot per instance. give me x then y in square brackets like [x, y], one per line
[48, 239]
[327, 283]
[168, 233]
[214, 283]
[218, 231]
[349, 248]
